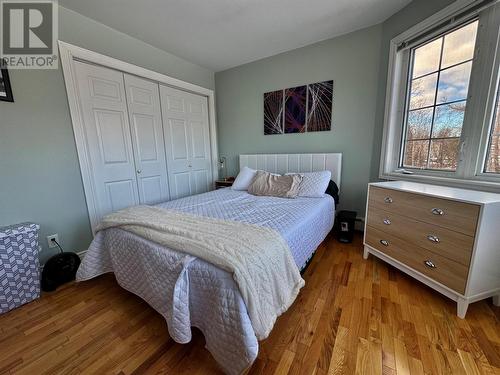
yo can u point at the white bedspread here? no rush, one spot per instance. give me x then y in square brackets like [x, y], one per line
[191, 292]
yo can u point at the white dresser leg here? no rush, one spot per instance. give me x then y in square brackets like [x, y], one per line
[496, 300]
[462, 305]
[366, 253]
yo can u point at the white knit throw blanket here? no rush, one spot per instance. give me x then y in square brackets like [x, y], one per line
[258, 257]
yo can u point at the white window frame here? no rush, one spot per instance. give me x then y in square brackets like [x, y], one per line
[480, 102]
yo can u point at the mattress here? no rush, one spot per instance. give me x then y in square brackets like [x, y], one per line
[188, 291]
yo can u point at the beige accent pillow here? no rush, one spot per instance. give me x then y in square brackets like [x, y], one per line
[265, 183]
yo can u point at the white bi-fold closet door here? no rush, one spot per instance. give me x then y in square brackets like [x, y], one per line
[130, 144]
[143, 102]
[186, 129]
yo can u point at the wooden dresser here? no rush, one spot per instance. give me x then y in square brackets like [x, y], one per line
[445, 237]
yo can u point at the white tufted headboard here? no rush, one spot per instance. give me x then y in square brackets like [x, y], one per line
[295, 163]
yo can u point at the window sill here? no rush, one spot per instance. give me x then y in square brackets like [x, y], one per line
[481, 185]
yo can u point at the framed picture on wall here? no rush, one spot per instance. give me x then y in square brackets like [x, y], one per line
[5, 88]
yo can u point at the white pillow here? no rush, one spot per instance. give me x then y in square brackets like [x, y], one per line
[314, 184]
[244, 179]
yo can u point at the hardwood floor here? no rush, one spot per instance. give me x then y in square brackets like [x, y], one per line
[353, 316]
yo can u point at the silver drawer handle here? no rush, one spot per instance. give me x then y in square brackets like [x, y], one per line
[433, 238]
[387, 222]
[388, 200]
[429, 264]
[384, 242]
[437, 211]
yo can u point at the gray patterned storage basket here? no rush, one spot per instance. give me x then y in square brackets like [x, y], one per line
[19, 271]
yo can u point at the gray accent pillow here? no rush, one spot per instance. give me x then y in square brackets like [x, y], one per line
[265, 183]
[313, 184]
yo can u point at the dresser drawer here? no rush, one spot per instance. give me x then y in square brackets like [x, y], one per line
[457, 216]
[437, 267]
[450, 244]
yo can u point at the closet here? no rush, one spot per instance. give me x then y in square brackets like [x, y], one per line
[146, 142]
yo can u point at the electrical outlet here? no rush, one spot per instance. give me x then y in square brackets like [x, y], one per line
[52, 243]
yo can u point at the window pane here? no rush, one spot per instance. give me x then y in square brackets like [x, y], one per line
[448, 120]
[459, 45]
[436, 102]
[493, 158]
[496, 123]
[419, 123]
[423, 91]
[426, 58]
[444, 154]
[493, 162]
[454, 83]
[416, 154]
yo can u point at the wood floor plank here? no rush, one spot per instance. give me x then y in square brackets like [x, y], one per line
[284, 363]
[468, 363]
[401, 357]
[353, 316]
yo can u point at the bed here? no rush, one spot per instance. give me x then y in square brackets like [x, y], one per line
[187, 291]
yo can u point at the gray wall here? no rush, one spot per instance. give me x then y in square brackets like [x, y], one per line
[40, 177]
[352, 61]
[357, 62]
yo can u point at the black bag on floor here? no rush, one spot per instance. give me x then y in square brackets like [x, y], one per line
[59, 269]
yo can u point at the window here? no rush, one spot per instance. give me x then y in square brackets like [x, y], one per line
[492, 164]
[437, 96]
[442, 119]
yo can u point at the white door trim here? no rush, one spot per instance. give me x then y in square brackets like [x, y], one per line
[69, 53]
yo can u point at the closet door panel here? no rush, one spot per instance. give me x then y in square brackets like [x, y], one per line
[147, 139]
[178, 151]
[112, 132]
[105, 118]
[200, 179]
[182, 185]
[199, 138]
[201, 170]
[179, 143]
[120, 193]
[178, 157]
[186, 127]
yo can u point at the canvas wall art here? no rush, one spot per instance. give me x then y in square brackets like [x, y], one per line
[273, 112]
[319, 106]
[295, 109]
[300, 109]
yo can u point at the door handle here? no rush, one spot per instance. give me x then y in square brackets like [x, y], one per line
[437, 211]
[386, 222]
[429, 263]
[139, 171]
[433, 238]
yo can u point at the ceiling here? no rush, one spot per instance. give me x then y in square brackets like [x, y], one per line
[220, 34]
